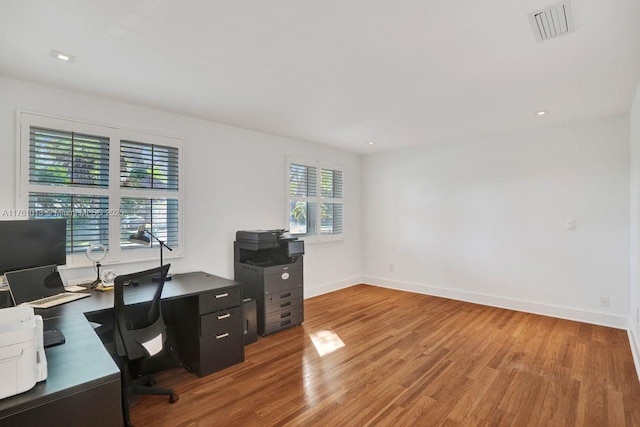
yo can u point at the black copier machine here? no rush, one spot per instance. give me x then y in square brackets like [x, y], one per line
[269, 265]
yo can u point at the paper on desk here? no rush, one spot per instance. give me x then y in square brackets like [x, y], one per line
[154, 345]
[102, 288]
[74, 288]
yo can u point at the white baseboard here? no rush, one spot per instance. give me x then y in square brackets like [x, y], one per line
[330, 287]
[603, 319]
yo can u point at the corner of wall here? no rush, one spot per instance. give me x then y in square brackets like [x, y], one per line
[634, 343]
[315, 291]
[634, 238]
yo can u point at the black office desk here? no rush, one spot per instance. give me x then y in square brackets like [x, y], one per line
[83, 383]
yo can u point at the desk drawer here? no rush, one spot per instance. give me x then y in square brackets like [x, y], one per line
[276, 283]
[221, 351]
[220, 300]
[220, 322]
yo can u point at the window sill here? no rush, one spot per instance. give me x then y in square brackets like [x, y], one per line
[128, 257]
[322, 239]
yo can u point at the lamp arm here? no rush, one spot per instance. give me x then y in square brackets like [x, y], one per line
[162, 243]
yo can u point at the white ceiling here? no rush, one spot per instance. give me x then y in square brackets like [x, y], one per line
[401, 73]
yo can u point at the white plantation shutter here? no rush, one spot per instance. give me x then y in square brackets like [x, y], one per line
[159, 215]
[105, 181]
[148, 168]
[331, 205]
[63, 165]
[315, 199]
[68, 158]
[303, 181]
[87, 221]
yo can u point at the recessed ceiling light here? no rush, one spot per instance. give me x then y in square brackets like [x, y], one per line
[371, 143]
[542, 112]
[65, 57]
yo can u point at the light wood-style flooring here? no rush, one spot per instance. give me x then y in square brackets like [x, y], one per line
[411, 359]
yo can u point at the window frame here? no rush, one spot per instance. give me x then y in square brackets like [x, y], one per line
[115, 254]
[317, 199]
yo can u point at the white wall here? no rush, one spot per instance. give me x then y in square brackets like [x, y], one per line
[634, 284]
[481, 220]
[234, 179]
[484, 220]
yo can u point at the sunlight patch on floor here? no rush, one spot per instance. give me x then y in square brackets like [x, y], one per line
[326, 342]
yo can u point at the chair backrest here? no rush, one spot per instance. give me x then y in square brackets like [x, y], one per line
[139, 329]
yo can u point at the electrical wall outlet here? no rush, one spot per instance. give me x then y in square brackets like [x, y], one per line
[604, 301]
[638, 314]
[392, 267]
[571, 224]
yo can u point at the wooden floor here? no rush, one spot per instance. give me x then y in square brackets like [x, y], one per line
[411, 359]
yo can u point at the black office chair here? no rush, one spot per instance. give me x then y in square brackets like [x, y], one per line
[139, 334]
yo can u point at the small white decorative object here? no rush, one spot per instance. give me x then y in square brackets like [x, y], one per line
[108, 276]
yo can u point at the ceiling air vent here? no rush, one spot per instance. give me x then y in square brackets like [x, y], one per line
[552, 21]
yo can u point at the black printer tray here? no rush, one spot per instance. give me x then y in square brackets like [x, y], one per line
[258, 236]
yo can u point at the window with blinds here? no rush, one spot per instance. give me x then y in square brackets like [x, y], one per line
[303, 189]
[107, 182]
[303, 181]
[331, 205]
[68, 158]
[315, 199]
[86, 221]
[158, 215]
[63, 165]
[149, 168]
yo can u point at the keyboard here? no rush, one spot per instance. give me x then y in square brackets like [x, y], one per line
[55, 300]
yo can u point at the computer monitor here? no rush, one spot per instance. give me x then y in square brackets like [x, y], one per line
[32, 243]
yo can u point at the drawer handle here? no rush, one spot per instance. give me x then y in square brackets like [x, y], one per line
[283, 315]
[226, 334]
[286, 322]
[226, 294]
[287, 295]
[224, 316]
[285, 304]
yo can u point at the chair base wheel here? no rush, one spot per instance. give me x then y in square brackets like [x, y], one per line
[174, 398]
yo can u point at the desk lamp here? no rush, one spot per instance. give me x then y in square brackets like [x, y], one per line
[141, 238]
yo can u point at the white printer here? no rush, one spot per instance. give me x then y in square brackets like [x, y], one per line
[22, 359]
